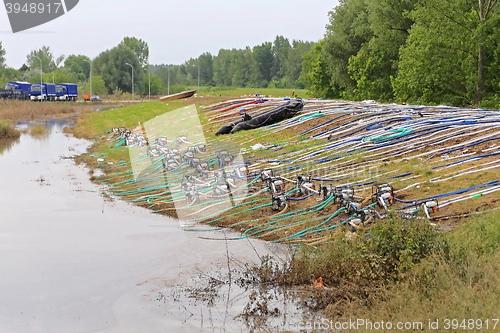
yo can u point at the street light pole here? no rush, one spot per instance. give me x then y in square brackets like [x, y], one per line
[149, 70]
[132, 79]
[90, 75]
[168, 71]
[168, 76]
[198, 78]
[41, 77]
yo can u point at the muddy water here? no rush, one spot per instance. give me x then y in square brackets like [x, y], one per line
[71, 261]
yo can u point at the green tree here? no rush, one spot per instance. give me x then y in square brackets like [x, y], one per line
[377, 60]
[35, 78]
[280, 49]
[205, 62]
[23, 68]
[452, 53]
[49, 63]
[316, 76]
[293, 64]
[140, 48]
[98, 86]
[224, 67]
[3, 80]
[7, 75]
[111, 66]
[348, 30]
[157, 86]
[190, 69]
[262, 67]
[59, 75]
[177, 75]
[243, 63]
[77, 64]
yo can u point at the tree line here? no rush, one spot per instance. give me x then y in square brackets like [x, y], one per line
[406, 51]
[275, 64]
[413, 51]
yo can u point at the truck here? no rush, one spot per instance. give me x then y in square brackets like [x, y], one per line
[66, 92]
[45, 92]
[16, 90]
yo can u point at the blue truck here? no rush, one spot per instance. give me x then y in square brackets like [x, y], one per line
[45, 92]
[16, 90]
[66, 92]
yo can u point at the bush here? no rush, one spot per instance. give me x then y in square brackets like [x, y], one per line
[38, 130]
[177, 88]
[461, 282]
[397, 245]
[392, 249]
[7, 131]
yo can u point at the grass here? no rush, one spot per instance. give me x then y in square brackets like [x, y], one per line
[93, 124]
[7, 131]
[461, 282]
[38, 130]
[402, 272]
[16, 111]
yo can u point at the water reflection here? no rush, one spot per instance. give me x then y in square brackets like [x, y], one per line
[7, 144]
[49, 124]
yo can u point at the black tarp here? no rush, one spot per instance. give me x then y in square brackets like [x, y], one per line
[282, 112]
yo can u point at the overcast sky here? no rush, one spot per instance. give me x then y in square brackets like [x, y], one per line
[174, 30]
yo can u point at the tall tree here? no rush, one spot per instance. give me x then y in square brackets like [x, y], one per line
[293, 64]
[59, 75]
[377, 60]
[224, 67]
[9, 74]
[483, 9]
[444, 60]
[44, 54]
[205, 61]
[111, 66]
[316, 76]
[243, 63]
[263, 61]
[281, 48]
[157, 86]
[98, 86]
[78, 65]
[140, 48]
[348, 30]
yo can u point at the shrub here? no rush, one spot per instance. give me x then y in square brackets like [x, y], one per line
[38, 130]
[392, 248]
[7, 131]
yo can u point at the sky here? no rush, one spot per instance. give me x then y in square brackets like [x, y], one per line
[174, 30]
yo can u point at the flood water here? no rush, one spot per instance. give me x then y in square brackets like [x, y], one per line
[72, 261]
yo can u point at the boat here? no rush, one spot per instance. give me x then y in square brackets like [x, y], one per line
[184, 94]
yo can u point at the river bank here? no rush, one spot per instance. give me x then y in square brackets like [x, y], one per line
[74, 261]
